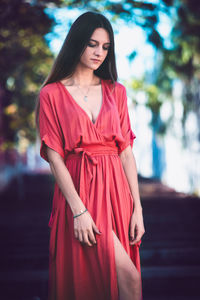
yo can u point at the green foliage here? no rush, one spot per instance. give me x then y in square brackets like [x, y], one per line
[155, 97]
[141, 13]
[152, 92]
[183, 59]
[25, 58]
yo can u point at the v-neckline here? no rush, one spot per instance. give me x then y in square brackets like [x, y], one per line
[76, 103]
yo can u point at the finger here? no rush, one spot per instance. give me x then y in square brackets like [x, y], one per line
[92, 237]
[137, 238]
[132, 232]
[95, 228]
[80, 236]
[85, 239]
[132, 237]
[76, 234]
[135, 242]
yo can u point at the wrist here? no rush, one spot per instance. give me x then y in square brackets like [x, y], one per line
[76, 209]
[137, 208]
[80, 213]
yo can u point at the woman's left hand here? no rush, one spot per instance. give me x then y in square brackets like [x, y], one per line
[136, 227]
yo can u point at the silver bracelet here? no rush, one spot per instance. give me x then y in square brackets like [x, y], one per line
[81, 212]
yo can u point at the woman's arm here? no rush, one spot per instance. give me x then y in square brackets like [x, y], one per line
[129, 166]
[83, 224]
[64, 181]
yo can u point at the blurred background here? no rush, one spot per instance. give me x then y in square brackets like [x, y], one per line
[157, 50]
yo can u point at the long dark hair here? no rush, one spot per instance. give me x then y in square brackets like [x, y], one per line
[74, 45]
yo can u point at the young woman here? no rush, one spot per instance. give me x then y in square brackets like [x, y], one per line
[96, 222]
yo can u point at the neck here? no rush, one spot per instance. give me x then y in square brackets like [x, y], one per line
[84, 77]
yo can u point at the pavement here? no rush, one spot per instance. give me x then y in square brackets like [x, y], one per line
[170, 249]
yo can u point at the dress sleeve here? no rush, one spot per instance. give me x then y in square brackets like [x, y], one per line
[50, 130]
[125, 124]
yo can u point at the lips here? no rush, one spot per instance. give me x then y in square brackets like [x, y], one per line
[96, 60]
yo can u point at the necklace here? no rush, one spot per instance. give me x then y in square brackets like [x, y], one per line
[85, 98]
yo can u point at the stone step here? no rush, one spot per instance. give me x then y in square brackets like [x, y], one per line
[158, 283]
[171, 271]
[170, 257]
[171, 282]
[149, 257]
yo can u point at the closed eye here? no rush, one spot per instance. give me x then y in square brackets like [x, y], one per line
[91, 45]
[94, 45]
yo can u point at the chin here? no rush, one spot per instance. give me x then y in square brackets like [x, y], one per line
[93, 67]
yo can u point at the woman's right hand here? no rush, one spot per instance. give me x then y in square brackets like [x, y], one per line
[84, 228]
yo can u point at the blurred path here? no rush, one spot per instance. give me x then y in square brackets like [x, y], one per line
[170, 252]
[170, 255]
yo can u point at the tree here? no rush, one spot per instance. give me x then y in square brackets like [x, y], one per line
[25, 57]
[182, 60]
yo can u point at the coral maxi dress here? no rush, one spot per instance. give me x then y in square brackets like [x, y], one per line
[91, 154]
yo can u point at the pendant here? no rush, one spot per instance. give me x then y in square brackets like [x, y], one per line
[85, 98]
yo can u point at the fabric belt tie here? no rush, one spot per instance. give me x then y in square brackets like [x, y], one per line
[88, 162]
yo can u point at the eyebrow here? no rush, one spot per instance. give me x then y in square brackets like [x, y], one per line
[97, 41]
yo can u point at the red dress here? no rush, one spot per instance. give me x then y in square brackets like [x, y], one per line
[91, 154]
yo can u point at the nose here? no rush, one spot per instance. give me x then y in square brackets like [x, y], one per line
[98, 51]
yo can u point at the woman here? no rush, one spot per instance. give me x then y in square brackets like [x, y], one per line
[96, 221]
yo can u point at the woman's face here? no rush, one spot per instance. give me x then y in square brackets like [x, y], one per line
[96, 50]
